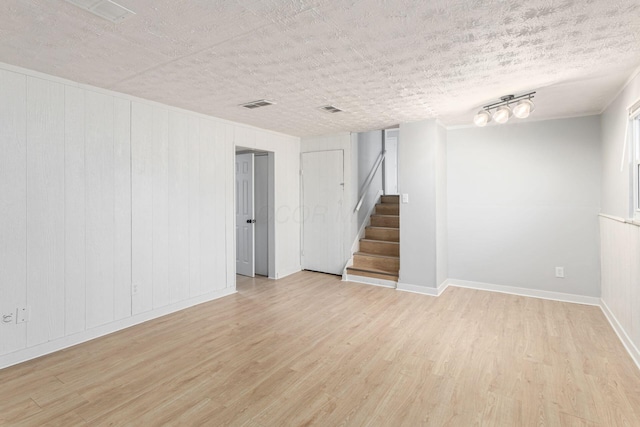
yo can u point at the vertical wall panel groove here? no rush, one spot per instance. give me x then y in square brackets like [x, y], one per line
[45, 210]
[229, 232]
[122, 209]
[178, 206]
[209, 218]
[141, 207]
[160, 192]
[100, 200]
[74, 195]
[13, 206]
[194, 209]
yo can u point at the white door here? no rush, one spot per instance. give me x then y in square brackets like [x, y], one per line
[323, 215]
[245, 221]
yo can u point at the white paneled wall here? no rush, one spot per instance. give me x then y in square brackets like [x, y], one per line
[122, 208]
[144, 140]
[179, 185]
[159, 190]
[183, 134]
[13, 206]
[45, 210]
[620, 252]
[116, 210]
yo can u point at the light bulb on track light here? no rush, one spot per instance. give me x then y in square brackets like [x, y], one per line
[523, 109]
[502, 114]
[482, 118]
[520, 106]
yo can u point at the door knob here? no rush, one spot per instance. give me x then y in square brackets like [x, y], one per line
[251, 221]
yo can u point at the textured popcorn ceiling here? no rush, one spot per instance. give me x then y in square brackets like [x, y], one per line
[382, 61]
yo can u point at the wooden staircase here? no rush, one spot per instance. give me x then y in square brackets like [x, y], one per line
[379, 255]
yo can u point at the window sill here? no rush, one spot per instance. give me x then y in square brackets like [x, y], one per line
[630, 221]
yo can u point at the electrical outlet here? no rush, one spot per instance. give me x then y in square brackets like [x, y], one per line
[560, 272]
[405, 198]
[8, 318]
[22, 314]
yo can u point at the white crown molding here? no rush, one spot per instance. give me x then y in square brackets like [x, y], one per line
[633, 75]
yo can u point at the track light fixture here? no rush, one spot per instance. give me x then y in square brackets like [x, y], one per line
[503, 111]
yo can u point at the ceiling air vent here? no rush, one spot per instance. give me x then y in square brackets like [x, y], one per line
[257, 104]
[106, 9]
[331, 109]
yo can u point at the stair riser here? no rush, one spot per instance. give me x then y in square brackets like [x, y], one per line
[372, 274]
[382, 234]
[377, 221]
[388, 209]
[380, 248]
[390, 199]
[386, 264]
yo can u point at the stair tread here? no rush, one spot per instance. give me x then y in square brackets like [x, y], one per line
[380, 241]
[382, 228]
[373, 270]
[394, 197]
[377, 255]
[387, 215]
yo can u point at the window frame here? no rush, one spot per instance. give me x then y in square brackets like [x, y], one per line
[634, 128]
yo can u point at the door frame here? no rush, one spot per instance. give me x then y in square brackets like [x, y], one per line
[385, 163]
[271, 225]
[245, 231]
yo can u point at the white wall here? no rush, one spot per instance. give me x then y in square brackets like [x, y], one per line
[442, 216]
[348, 144]
[620, 242]
[421, 175]
[523, 199]
[116, 210]
[369, 149]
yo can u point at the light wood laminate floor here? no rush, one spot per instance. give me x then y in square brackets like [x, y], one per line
[309, 349]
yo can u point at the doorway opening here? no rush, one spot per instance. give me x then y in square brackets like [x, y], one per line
[255, 213]
[390, 164]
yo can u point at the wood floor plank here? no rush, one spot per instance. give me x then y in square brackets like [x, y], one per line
[312, 350]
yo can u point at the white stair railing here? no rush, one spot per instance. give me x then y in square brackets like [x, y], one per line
[367, 182]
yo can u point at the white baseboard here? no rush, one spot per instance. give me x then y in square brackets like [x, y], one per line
[370, 281]
[417, 289]
[622, 334]
[289, 272]
[99, 331]
[525, 292]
